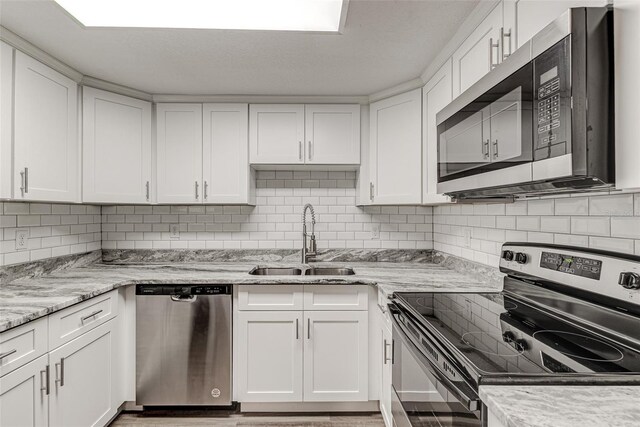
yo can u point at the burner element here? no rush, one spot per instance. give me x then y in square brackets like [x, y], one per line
[579, 346]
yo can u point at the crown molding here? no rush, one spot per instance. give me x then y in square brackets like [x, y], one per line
[35, 52]
[397, 89]
[115, 88]
[264, 99]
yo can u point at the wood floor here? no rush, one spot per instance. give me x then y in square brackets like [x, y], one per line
[230, 419]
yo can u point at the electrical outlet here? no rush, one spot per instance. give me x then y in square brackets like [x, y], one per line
[467, 237]
[22, 239]
[375, 231]
[174, 231]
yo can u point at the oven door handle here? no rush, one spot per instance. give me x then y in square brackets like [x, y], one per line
[469, 399]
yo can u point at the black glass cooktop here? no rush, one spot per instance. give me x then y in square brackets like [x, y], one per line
[500, 335]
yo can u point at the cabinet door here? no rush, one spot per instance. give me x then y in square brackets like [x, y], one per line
[476, 55]
[332, 134]
[336, 356]
[24, 401]
[82, 379]
[116, 148]
[533, 15]
[226, 154]
[269, 356]
[396, 149]
[385, 374]
[46, 145]
[276, 133]
[436, 94]
[6, 119]
[179, 153]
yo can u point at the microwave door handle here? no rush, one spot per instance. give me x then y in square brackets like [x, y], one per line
[470, 401]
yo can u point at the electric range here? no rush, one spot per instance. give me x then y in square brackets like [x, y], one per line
[566, 315]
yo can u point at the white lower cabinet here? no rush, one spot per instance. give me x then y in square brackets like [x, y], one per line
[23, 396]
[385, 374]
[294, 355]
[269, 356]
[336, 356]
[82, 380]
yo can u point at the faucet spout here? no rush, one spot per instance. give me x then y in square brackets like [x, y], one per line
[310, 251]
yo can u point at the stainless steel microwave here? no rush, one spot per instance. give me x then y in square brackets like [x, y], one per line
[541, 122]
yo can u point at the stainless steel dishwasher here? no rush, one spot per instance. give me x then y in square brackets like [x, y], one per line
[183, 345]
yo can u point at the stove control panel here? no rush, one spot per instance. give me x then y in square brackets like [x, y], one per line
[578, 266]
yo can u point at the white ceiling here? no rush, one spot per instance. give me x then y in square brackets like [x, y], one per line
[384, 43]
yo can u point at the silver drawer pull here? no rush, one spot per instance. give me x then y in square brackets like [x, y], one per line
[7, 353]
[89, 316]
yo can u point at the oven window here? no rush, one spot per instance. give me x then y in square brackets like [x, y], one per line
[425, 401]
[492, 132]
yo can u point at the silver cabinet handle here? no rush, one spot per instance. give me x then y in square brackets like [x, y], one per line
[485, 149]
[147, 190]
[299, 150]
[60, 380]
[386, 358]
[491, 46]
[371, 191]
[504, 35]
[7, 353]
[308, 328]
[310, 152]
[206, 190]
[44, 383]
[197, 195]
[297, 333]
[495, 147]
[89, 316]
[24, 181]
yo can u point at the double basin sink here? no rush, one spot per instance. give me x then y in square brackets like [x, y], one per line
[294, 271]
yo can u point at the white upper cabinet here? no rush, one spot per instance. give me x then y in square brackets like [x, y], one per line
[276, 133]
[6, 119]
[304, 134]
[46, 156]
[116, 148]
[396, 149]
[436, 94]
[179, 151]
[226, 172]
[533, 15]
[332, 134]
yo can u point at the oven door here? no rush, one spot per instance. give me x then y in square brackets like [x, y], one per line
[424, 395]
[492, 132]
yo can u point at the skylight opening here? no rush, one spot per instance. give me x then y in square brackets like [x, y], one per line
[274, 15]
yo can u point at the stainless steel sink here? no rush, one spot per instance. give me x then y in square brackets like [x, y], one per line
[276, 271]
[329, 271]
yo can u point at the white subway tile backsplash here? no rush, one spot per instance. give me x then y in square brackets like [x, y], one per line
[572, 206]
[593, 226]
[612, 205]
[625, 227]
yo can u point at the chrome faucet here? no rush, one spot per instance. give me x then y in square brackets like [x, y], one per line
[308, 253]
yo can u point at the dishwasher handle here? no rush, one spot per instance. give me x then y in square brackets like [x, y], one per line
[184, 298]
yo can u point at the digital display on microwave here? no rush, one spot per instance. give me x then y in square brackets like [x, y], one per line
[545, 77]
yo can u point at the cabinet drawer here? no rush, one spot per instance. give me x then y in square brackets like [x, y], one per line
[22, 344]
[336, 297]
[74, 321]
[270, 297]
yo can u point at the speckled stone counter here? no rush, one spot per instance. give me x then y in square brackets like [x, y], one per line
[563, 406]
[26, 299]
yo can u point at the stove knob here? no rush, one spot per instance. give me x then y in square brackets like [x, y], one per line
[629, 280]
[521, 258]
[507, 255]
[508, 337]
[520, 345]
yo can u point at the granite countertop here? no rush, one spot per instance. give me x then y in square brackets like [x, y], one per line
[563, 406]
[27, 299]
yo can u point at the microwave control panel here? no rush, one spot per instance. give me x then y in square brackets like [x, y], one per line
[552, 101]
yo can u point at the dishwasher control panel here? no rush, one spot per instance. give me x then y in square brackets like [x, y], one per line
[183, 290]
